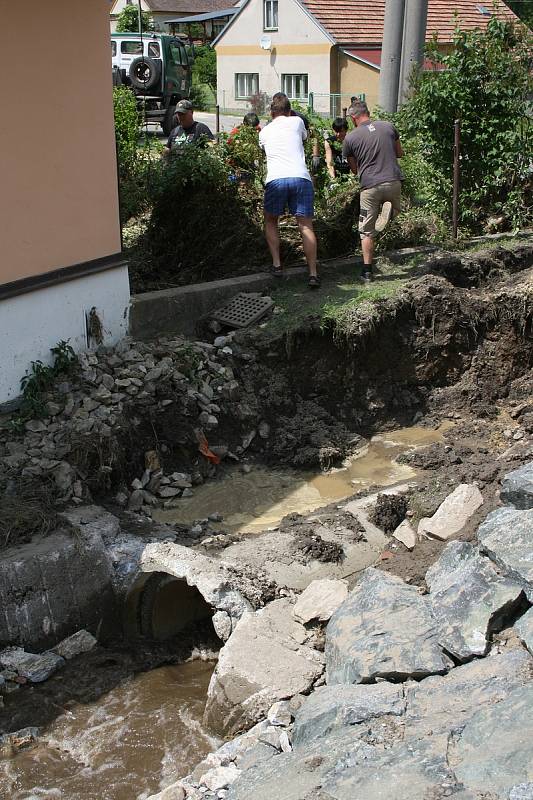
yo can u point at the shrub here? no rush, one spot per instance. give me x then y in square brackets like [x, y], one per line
[486, 83]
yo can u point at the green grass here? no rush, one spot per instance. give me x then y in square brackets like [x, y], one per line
[342, 301]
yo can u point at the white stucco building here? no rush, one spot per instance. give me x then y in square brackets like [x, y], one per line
[326, 48]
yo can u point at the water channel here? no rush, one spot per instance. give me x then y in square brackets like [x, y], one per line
[146, 732]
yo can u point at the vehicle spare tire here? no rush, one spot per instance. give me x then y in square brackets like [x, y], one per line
[144, 72]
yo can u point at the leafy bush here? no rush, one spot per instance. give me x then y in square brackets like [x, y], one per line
[486, 83]
[204, 69]
[134, 162]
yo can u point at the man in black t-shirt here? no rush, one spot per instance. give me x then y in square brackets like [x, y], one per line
[372, 151]
[187, 131]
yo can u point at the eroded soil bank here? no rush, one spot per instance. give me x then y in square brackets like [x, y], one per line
[143, 425]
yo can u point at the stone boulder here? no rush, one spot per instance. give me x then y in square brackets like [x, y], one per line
[494, 751]
[320, 600]
[524, 629]
[517, 487]
[424, 756]
[34, 667]
[331, 707]
[264, 660]
[506, 537]
[453, 513]
[385, 629]
[469, 600]
[439, 704]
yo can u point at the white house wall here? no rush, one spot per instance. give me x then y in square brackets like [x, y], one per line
[32, 323]
[299, 46]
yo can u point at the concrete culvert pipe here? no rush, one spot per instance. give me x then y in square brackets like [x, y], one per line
[161, 606]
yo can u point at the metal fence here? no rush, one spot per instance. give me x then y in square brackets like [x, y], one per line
[333, 104]
[320, 103]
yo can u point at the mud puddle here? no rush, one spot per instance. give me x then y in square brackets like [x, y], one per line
[136, 739]
[253, 502]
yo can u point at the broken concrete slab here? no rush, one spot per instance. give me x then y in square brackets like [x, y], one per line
[264, 660]
[517, 487]
[469, 600]
[494, 751]
[212, 579]
[506, 537]
[524, 629]
[53, 586]
[405, 534]
[331, 707]
[270, 552]
[319, 600]
[385, 629]
[453, 513]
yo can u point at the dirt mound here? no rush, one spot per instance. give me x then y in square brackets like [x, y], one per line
[389, 511]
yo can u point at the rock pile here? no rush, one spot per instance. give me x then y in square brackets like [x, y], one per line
[18, 667]
[421, 699]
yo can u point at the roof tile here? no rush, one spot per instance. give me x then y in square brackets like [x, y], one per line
[361, 21]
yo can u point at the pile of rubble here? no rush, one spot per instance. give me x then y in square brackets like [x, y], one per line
[112, 392]
[391, 690]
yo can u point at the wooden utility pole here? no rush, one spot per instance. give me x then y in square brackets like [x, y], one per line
[456, 176]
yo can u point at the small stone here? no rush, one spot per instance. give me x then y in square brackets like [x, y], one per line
[220, 777]
[181, 479]
[284, 742]
[320, 600]
[453, 513]
[53, 409]
[169, 491]
[405, 534]
[518, 435]
[136, 484]
[36, 668]
[136, 500]
[187, 493]
[80, 642]
[280, 714]
[35, 426]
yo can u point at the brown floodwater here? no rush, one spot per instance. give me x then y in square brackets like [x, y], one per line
[138, 738]
[260, 499]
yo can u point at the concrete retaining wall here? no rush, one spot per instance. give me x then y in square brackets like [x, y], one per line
[180, 310]
[52, 587]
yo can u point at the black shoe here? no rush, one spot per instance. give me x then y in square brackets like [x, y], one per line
[314, 282]
[366, 276]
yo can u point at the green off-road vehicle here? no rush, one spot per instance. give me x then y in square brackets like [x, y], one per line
[157, 68]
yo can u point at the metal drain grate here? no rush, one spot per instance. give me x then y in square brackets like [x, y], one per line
[243, 310]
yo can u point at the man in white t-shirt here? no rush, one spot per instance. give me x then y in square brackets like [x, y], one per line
[288, 183]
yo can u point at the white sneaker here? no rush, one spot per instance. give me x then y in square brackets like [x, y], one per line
[384, 217]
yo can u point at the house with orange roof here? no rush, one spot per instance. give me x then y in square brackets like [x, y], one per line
[323, 51]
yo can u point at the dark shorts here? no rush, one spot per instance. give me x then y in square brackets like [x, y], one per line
[296, 194]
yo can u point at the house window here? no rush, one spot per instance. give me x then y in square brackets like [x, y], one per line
[246, 85]
[270, 15]
[295, 86]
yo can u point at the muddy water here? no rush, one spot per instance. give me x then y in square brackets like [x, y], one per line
[135, 740]
[260, 499]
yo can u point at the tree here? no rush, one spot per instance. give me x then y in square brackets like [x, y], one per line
[205, 66]
[522, 9]
[485, 81]
[128, 20]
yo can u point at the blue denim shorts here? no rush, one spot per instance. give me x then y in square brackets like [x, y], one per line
[296, 194]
